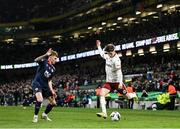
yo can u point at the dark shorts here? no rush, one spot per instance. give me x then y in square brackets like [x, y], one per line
[111, 86]
[44, 90]
[115, 86]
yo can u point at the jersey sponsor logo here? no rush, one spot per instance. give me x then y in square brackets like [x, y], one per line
[115, 80]
[108, 65]
[47, 74]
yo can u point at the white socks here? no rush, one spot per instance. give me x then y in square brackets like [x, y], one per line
[44, 114]
[36, 116]
[103, 104]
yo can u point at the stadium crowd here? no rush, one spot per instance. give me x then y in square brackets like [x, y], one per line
[68, 86]
[36, 9]
[134, 32]
[90, 71]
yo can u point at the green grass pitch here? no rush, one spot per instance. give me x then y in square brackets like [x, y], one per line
[17, 117]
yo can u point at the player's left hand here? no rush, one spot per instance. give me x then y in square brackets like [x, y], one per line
[98, 43]
[48, 53]
[54, 94]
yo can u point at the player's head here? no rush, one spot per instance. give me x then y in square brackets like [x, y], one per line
[110, 50]
[53, 58]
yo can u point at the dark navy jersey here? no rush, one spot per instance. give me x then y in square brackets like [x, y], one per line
[44, 73]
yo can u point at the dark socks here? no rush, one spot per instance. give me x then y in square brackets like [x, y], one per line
[37, 107]
[48, 108]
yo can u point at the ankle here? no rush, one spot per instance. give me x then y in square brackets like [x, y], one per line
[35, 115]
[44, 114]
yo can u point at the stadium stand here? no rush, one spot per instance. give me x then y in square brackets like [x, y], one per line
[76, 79]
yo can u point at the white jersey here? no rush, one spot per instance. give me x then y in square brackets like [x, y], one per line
[113, 67]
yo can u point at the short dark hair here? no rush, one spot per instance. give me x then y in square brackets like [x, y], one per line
[109, 48]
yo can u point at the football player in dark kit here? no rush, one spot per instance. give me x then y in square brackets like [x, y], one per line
[42, 83]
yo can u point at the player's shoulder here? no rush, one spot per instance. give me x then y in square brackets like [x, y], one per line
[116, 57]
[106, 56]
[43, 62]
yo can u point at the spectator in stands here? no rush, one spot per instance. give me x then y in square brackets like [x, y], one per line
[16, 97]
[85, 100]
[130, 89]
[2, 97]
[98, 90]
[173, 94]
[69, 99]
[144, 93]
[162, 102]
[108, 98]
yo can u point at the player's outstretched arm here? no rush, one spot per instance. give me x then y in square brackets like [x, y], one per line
[41, 58]
[101, 52]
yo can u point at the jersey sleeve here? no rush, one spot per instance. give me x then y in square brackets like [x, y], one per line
[118, 63]
[119, 72]
[42, 63]
[120, 77]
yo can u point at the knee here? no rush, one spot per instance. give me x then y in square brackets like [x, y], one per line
[39, 97]
[53, 103]
[120, 87]
[102, 95]
[40, 100]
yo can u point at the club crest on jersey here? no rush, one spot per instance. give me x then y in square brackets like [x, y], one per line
[47, 74]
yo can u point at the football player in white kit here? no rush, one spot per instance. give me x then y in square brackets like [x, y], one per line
[114, 77]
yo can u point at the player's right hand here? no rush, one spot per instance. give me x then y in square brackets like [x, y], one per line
[98, 42]
[49, 52]
[122, 89]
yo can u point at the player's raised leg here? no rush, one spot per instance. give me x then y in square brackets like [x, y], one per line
[52, 103]
[123, 90]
